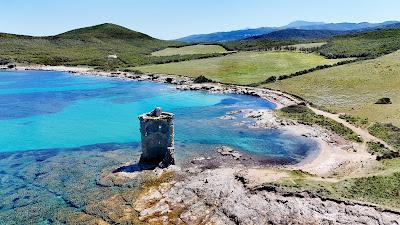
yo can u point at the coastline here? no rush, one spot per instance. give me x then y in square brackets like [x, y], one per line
[333, 150]
[180, 82]
[235, 191]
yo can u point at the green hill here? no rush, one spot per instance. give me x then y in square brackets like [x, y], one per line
[367, 44]
[105, 31]
[85, 46]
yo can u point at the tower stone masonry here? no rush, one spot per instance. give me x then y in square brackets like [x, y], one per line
[157, 134]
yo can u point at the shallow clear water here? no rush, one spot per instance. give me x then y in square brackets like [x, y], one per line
[50, 110]
[60, 133]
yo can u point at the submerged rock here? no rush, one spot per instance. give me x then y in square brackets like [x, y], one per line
[224, 150]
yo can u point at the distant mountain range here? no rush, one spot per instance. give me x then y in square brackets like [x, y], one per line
[298, 25]
[227, 36]
[298, 34]
[304, 25]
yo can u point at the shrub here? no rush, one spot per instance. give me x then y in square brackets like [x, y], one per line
[270, 79]
[383, 101]
[4, 62]
[355, 120]
[283, 77]
[387, 132]
[388, 155]
[296, 109]
[202, 79]
[377, 148]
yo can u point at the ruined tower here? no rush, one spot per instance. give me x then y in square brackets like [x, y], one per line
[157, 131]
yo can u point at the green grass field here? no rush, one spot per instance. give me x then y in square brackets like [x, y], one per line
[242, 67]
[353, 88]
[190, 50]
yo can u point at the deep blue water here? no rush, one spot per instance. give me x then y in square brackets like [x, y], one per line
[55, 110]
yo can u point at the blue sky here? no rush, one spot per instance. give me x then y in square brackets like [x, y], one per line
[168, 19]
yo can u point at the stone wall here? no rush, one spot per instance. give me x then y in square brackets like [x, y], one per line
[157, 133]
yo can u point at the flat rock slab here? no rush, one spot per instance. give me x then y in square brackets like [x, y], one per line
[217, 197]
[226, 151]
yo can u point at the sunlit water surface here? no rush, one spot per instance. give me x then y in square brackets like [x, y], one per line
[57, 129]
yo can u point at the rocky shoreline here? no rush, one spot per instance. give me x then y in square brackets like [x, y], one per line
[179, 82]
[220, 196]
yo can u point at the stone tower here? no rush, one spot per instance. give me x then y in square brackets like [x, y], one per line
[157, 131]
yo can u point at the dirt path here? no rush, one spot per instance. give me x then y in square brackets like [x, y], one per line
[364, 134]
[361, 132]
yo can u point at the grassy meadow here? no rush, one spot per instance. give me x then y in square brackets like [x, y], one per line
[243, 67]
[190, 50]
[353, 88]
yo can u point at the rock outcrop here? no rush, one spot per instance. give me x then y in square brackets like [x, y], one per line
[219, 197]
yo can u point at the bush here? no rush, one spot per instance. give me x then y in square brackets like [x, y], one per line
[376, 148]
[202, 79]
[355, 120]
[388, 155]
[4, 62]
[383, 101]
[270, 79]
[296, 109]
[283, 77]
[387, 132]
[169, 80]
[383, 190]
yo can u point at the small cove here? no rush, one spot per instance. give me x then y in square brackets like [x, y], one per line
[59, 132]
[57, 110]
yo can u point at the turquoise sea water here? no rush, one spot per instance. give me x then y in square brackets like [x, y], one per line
[60, 133]
[50, 110]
